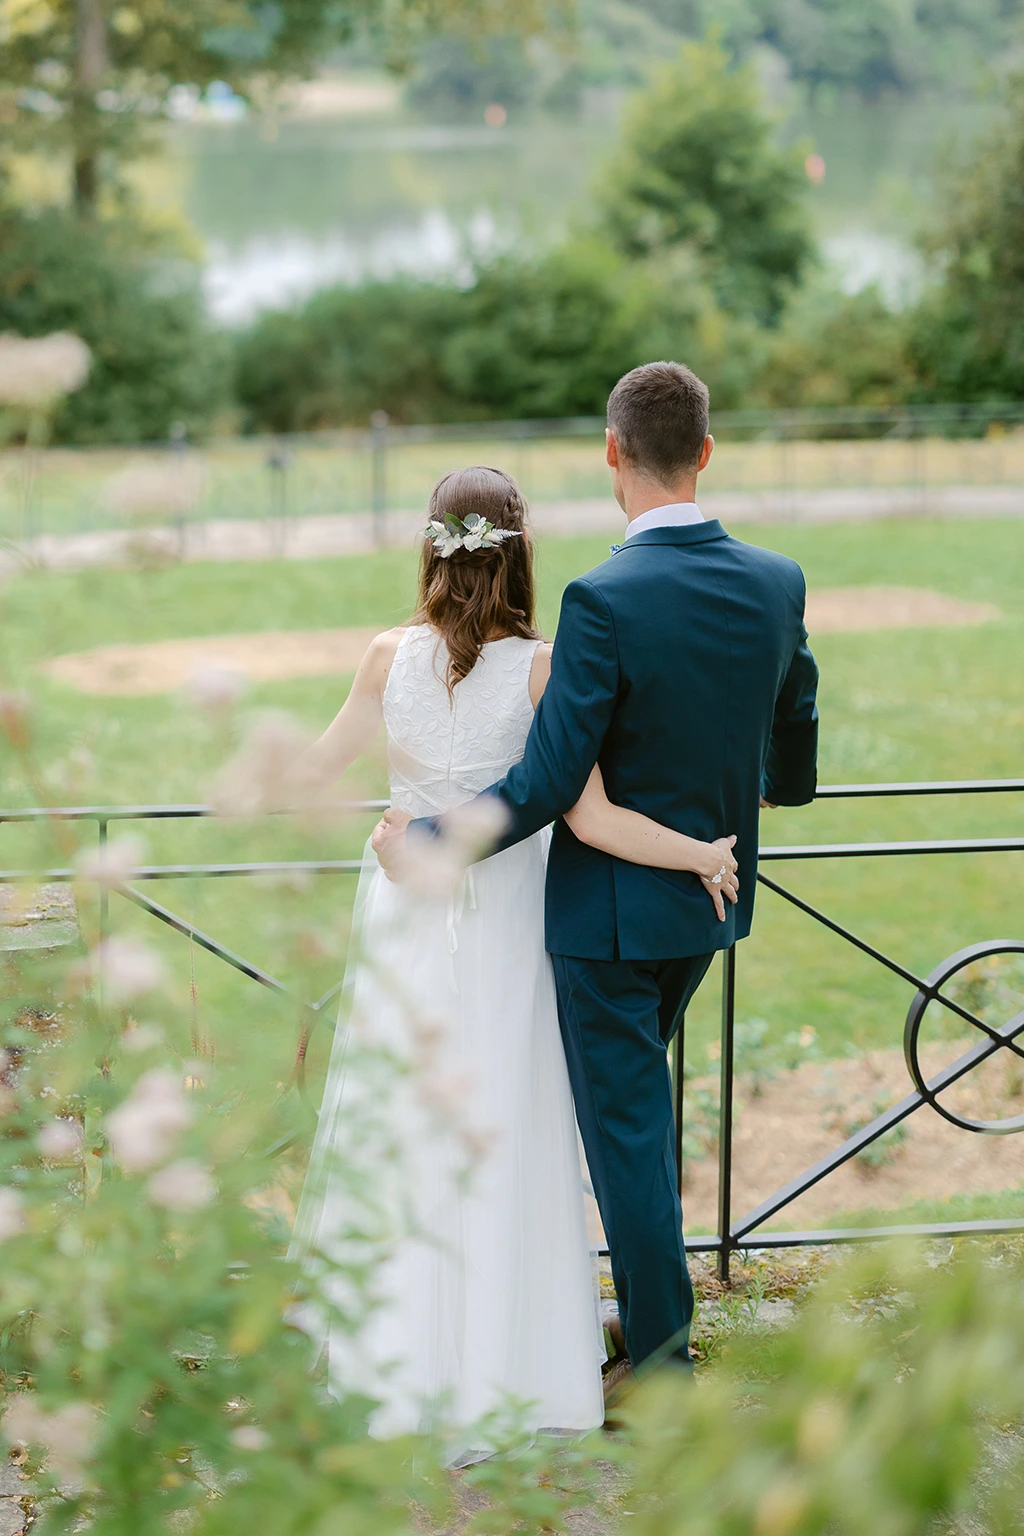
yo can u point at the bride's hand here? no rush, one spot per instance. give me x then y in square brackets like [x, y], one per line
[718, 875]
[388, 841]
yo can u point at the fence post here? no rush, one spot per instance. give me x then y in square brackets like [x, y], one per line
[725, 1113]
[379, 482]
[278, 460]
[178, 440]
[104, 907]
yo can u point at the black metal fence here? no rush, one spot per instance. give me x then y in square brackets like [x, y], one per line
[736, 1233]
[909, 457]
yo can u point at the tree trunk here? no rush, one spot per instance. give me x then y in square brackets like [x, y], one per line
[91, 61]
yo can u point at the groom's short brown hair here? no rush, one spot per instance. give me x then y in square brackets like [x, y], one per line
[659, 414]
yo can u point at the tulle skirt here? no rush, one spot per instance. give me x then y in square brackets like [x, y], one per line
[447, 1147]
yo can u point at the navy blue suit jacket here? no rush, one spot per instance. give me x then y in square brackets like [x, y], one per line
[680, 665]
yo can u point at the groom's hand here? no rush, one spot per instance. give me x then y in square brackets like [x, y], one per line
[766, 805]
[388, 840]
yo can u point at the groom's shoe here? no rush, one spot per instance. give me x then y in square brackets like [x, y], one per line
[617, 1381]
[611, 1322]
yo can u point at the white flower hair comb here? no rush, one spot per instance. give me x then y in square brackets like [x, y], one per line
[471, 534]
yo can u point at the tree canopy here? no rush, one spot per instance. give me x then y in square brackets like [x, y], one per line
[968, 336]
[699, 167]
[82, 77]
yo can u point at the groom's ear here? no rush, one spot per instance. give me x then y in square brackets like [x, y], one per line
[611, 448]
[705, 453]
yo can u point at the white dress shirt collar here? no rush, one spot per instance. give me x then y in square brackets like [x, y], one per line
[676, 515]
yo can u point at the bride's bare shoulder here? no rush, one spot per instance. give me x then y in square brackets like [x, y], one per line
[384, 645]
[540, 671]
[380, 654]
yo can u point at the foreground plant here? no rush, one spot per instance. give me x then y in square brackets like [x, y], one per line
[894, 1405]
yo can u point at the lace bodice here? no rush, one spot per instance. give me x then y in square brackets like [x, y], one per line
[441, 750]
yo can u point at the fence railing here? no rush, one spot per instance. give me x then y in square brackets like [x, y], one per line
[905, 458]
[736, 1232]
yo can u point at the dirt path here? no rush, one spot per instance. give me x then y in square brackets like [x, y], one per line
[310, 538]
[165, 665]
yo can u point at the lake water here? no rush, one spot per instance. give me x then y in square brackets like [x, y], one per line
[333, 200]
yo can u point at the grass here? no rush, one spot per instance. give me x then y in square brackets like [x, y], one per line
[920, 704]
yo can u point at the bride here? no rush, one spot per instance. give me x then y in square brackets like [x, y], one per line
[485, 1292]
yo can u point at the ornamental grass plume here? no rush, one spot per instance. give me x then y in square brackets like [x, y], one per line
[164, 485]
[36, 372]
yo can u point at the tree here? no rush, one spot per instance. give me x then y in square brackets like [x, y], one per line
[85, 77]
[699, 168]
[531, 337]
[154, 360]
[967, 339]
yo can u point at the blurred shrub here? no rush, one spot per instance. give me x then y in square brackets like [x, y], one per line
[893, 1405]
[537, 337]
[967, 337]
[699, 167]
[155, 359]
[834, 349]
[346, 353]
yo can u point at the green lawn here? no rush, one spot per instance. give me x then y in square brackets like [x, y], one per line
[925, 704]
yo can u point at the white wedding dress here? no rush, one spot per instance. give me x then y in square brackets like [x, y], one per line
[484, 1292]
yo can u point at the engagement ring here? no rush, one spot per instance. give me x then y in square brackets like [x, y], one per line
[717, 879]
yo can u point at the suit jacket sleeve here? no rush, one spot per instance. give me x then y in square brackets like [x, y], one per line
[570, 724]
[791, 769]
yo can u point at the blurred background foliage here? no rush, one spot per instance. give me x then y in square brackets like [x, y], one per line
[697, 238]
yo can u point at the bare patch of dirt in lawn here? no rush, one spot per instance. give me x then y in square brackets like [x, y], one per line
[803, 1114]
[846, 610]
[166, 665]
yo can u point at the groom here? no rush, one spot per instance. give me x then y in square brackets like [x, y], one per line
[681, 666]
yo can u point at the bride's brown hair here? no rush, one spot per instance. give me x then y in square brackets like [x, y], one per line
[477, 595]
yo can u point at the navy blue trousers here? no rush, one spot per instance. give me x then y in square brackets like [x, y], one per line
[617, 1018]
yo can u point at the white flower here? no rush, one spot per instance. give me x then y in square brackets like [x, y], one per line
[215, 689]
[60, 1138]
[142, 1131]
[471, 533]
[125, 968]
[112, 863]
[248, 1437]
[141, 1037]
[431, 867]
[259, 777]
[474, 828]
[12, 1213]
[182, 1186]
[36, 371]
[446, 1094]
